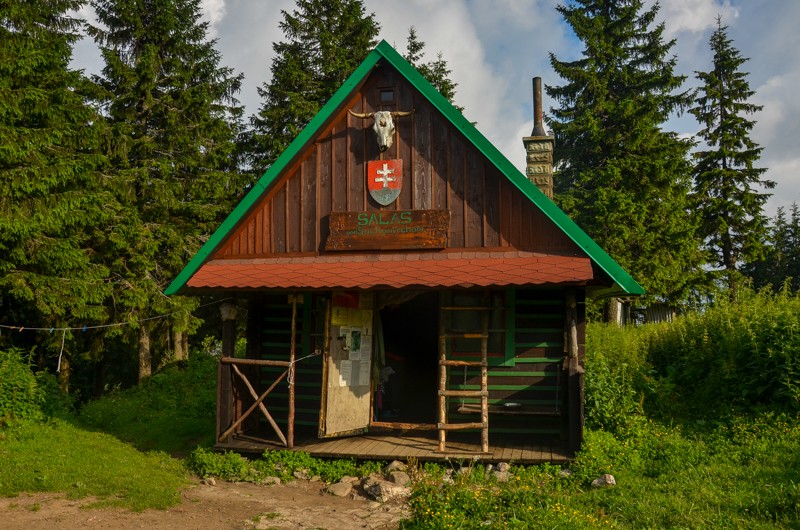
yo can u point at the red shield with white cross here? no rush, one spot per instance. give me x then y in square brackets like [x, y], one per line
[384, 180]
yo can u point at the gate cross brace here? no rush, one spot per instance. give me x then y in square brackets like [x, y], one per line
[257, 403]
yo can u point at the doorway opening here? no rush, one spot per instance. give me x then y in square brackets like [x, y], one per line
[409, 380]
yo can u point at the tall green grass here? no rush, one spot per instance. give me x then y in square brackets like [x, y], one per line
[172, 411]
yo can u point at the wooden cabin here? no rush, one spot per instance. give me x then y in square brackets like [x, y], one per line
[426, 300]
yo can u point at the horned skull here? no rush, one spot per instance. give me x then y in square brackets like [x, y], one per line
[384, 125]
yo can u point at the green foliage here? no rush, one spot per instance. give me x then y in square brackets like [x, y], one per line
[281, 464]
[781, 261]
[171, 411]
[731, 209]
[618, 376]
[620, 175]
[738, 473]
[744, 353]
[325, 42]
[57, 457]
[175, 120]
[21, 397]
[53, 206]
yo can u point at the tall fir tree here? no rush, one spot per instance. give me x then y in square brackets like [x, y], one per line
[173, 109]
[437, 72]
[53, 209]
[733, 225]
[325, 42]
[619, 175]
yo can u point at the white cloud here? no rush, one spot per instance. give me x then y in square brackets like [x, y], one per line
[213, 13]
[695, 16]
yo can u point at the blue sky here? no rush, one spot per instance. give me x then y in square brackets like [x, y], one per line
[495, 47]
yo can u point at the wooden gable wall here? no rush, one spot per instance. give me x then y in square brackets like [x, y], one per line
[441, 170]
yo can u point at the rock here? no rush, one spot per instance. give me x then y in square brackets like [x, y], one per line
[301, 474]
[565, 473]
[395, 465]
[605, 480]
[400, 478]
[271, 481]
[209, 481]
[347, 479]
[501, 476]
[463, 471]
[503, 467]
[316, 478]
[383, 490]
[340, 489]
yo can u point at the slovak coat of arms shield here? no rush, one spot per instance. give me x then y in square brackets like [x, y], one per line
[384, 180]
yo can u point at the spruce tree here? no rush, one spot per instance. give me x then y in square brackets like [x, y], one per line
[53, 209]
[436, 72]
[780, 261]
[325, 42]
[733, 225]
[619, 174]
[175, 117]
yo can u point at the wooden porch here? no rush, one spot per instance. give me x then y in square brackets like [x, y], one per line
[422, 446]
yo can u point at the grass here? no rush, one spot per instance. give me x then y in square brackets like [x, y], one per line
[173, 411]
[55, 456]
[743, 473]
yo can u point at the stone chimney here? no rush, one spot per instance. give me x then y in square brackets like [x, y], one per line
[539, 147]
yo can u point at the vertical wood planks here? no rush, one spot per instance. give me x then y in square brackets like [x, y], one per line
[279, 220]
[308, 242]
[439, 162]
[473, 209]
[294, 207]
[457, 194]
[492, 208]
[422, 158]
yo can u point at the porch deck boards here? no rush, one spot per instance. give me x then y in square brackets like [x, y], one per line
[421, 446]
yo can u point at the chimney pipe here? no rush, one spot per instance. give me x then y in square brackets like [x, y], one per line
[538, 120]
[539, 147]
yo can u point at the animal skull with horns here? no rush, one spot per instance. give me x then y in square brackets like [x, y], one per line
[384, 125]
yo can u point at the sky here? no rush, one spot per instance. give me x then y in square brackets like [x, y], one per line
[495, 47]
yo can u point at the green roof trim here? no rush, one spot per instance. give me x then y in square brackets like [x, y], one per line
[624, 283]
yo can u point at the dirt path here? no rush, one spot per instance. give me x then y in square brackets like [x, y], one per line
[296, 505]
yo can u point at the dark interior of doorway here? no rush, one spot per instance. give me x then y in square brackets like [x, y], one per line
[411, 337]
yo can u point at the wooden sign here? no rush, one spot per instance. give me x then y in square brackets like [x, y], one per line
[388, 230]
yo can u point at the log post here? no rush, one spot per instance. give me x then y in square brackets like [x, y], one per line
[224, 375]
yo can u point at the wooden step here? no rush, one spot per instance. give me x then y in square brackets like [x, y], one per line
[463, 393]
[461, 426]
[477, 364]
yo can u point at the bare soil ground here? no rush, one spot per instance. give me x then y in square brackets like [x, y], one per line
[298, 505]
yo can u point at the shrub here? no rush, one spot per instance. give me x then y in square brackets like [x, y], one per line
[281, 464]
[744, 353]
[617, 375]
[21, 397]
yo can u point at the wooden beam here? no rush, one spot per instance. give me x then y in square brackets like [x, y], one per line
[261, 405]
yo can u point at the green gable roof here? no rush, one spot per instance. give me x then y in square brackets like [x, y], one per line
[623, 283]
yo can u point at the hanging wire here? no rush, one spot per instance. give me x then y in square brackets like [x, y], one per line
[104, 326]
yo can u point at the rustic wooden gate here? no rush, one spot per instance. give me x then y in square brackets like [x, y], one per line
[234, 363]
[446, 332]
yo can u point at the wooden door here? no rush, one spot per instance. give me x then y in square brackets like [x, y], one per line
[347, 371]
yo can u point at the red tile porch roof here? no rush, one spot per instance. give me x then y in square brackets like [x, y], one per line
[395, 270]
